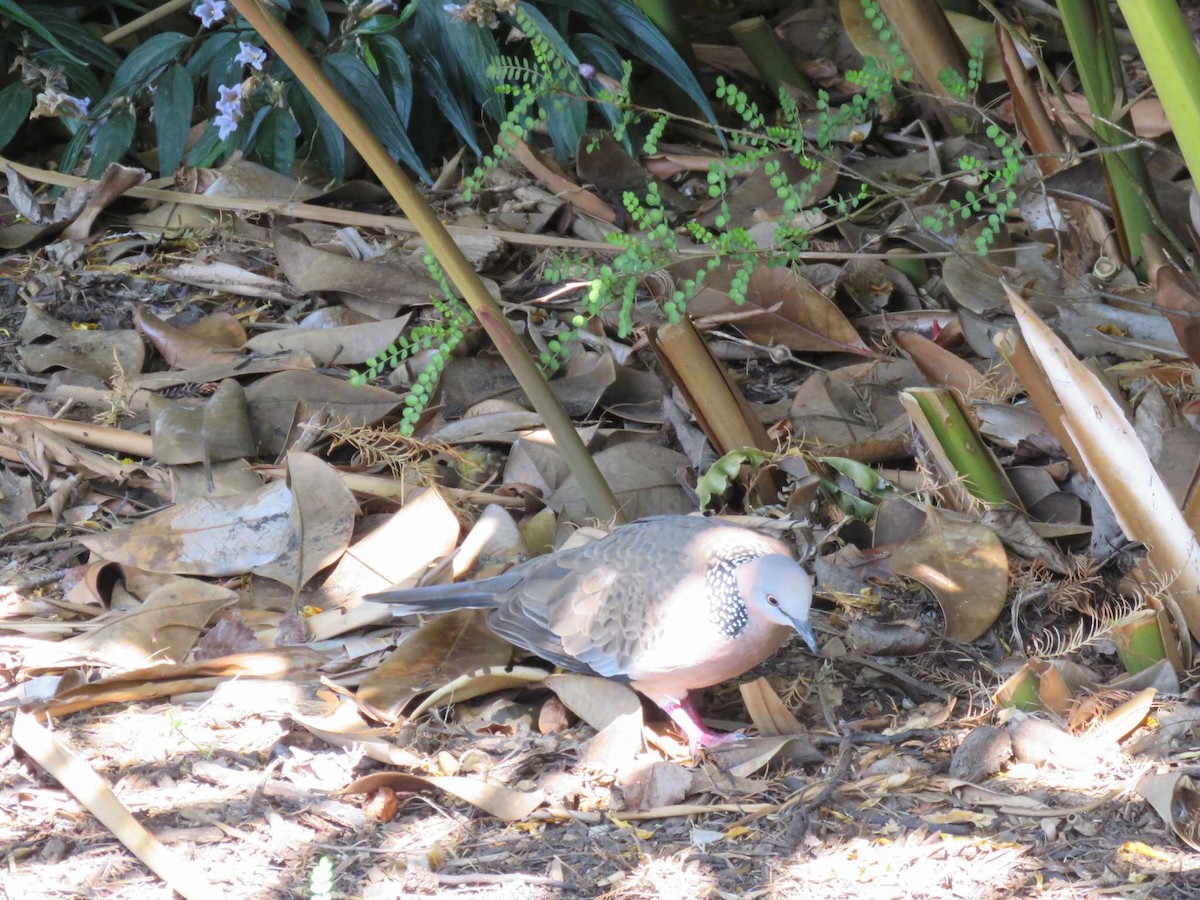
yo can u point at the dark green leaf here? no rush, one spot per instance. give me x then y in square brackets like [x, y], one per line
[314, 11]
[456, 109]
[209, 148]
[111, 142]
[245, 134]
[567, 118]
[464, 51]
[605, 57]
[146, 61]
[13, 11]
[74, 150]
[74, 37]
[209, 48]
[172, 117]
[16, 101]
[627, 27]
[325, 136]
[223, 70]
[361, 89]
[276, 144]
[379, 25]
[397, 73]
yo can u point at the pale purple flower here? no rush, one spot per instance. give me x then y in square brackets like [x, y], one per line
[249, 55]
[587, 71]
[227, 123]
[231, 100]
[210, 12]
[452, 8]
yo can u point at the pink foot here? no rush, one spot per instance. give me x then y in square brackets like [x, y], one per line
[685, 717]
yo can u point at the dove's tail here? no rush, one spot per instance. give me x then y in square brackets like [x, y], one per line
[436, 598]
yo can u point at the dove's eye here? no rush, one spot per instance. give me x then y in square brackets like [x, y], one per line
[774, 601]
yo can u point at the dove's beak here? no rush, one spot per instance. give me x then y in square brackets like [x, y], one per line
[804, 629]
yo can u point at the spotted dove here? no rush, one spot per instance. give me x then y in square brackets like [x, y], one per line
[666, 604]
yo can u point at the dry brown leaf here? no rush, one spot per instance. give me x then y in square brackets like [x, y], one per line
[560, 185]
[806, 320]
[173, 679]
[284, 401]
[164, 627]
[1119, 464]
[598, 701]
[210, 429]
[379, 287]
[340, 346]
[214, 537]
[767, 711]
[1175, 796]
[479, 683]
[321, 521]
[645, 478]
[183, 348]
[102, 354]
[422, 531]
[966, 568]
[1179, 293]
[438, 652]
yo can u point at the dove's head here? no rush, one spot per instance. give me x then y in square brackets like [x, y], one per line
[777, 589]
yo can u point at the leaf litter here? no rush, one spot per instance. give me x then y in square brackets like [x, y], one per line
[190, 522]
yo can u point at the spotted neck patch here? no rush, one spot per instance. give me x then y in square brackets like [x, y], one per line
[726, 607]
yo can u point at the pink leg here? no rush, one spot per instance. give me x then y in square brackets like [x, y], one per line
[685, 717]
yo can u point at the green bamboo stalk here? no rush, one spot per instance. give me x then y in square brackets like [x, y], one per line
[595, 489]
[1090, 34]
[1162, 36]
[958, 440]
[772, 61]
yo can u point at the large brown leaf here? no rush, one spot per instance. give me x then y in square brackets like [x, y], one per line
[964, 565]
[793, 312]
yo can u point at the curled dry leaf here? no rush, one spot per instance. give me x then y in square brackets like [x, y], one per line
[966, 568]
[438, 652]
[1118, 463]
[211, 429]
[1176, 798]
[164, 627]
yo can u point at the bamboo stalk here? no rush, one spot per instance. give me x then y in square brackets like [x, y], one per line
[1166, 46]
[1089, 32]
[772, 61]
[595, 489]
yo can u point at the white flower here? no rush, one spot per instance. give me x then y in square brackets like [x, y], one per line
[227, 123]
[210, 12]
[249, 55]
[231, 100]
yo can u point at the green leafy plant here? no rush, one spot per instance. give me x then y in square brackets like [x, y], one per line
[441, 336]
[409, 67]
[953, 81]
